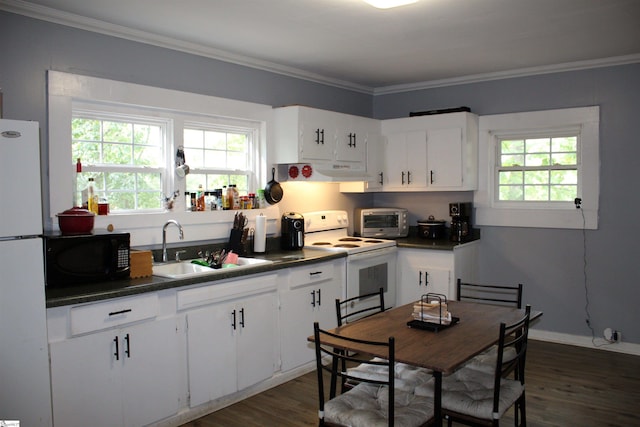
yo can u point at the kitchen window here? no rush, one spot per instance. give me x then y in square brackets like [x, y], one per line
[127, 137]
[125, 157]
[539, 169]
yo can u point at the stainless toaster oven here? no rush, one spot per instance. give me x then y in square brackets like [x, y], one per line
[387, 223]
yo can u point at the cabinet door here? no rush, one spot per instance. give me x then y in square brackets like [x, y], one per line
[421, 272]
[86, 381]
[211, 353]
[150, 389]
[416, 153]
[352, 136]
[311, 297]
[444, 158]
[395, 161]
[317, 135]
[256, 338]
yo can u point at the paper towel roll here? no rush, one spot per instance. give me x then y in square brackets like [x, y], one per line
[260, 235]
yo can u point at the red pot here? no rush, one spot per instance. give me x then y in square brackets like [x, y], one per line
[76, 221]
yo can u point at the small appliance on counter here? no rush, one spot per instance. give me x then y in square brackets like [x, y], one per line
[292, 230]
[86, 258]
[383, 223]
[460, 221]
[432, 229]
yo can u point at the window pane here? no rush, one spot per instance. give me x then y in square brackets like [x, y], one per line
[116, 154]
[512, 146]
[149, 181]
[511, 192]
[564, 177]
[215, 140]
[537, 160]
[194, 158]
[147, 156]
[563, 193]
[193, 138]
[117, 132]
[564, 159]
[509, 177]
[536, 192]
[508, 160]
[539, 145]
[568, 143]
[87, 129]
[120, 181]
[536, 177]
[88, 152]
[237, 160]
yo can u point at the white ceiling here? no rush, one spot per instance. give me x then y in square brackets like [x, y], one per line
[350, 43]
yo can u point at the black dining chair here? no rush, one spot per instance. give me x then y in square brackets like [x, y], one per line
[504, 295]
[477, 398]
[373, 401]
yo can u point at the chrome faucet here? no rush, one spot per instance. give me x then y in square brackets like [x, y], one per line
[165, 258]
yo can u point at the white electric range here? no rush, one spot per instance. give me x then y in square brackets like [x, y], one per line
[371, 262]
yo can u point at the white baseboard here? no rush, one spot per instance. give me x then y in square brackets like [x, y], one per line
[585, 341]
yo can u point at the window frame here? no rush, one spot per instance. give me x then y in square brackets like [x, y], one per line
[66, 90]
[492, 212]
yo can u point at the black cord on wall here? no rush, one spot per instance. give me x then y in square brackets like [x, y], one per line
[585, 276]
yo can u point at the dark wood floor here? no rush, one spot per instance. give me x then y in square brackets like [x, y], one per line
[566, 386]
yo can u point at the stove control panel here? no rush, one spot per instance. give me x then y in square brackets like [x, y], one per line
[325, 220]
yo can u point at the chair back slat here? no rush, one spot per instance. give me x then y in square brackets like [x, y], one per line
[490, 294]
[375, 305]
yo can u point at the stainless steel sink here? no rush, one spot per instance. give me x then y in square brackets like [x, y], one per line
[184, 269]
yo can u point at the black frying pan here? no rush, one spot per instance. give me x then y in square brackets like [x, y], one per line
[273, 191]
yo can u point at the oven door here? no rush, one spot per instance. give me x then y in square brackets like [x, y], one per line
[369, 271]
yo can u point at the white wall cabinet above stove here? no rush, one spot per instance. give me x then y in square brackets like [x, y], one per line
[309, 135]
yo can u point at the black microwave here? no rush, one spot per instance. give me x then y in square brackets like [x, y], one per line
[85, 258]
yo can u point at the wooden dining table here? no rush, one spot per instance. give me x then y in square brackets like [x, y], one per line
[444, 351]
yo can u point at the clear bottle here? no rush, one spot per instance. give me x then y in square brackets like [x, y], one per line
[92, 198]
[225, 197]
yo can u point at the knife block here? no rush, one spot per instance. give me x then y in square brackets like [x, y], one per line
[237, 242]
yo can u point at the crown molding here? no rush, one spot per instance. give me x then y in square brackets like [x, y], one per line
[522, 72]
[89, 24]
[72, 20]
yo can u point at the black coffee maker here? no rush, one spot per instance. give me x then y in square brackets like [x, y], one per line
[292, 224]
[460, 221]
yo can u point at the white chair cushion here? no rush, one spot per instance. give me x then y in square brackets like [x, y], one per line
[469, 391]
[486, 362]
[367, 405]
[407, 377]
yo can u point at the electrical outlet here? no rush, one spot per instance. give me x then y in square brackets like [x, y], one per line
[612, 335]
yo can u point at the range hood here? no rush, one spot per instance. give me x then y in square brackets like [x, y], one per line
[321, 172]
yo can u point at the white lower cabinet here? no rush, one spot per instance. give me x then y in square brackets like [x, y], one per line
[422, 271]
[309, 296]
[231, 336]
[118, 377]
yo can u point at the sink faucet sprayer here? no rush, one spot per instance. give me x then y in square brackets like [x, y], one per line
[165, 258]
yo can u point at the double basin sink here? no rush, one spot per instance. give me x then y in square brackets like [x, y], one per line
[186, 269]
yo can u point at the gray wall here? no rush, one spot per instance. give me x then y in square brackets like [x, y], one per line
[549, 262]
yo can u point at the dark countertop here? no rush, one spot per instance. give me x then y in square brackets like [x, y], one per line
[56, 297]
[416, 242]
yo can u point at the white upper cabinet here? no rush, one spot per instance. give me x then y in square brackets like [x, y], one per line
[431, 153]
[309, 135]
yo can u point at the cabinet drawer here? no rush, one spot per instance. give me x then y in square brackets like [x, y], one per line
[104, 315]
[313, 274]
[225, 291]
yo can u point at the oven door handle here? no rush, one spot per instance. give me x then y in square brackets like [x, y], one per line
[372, 253]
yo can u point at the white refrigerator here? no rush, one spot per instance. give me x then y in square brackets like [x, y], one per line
[25, 390]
